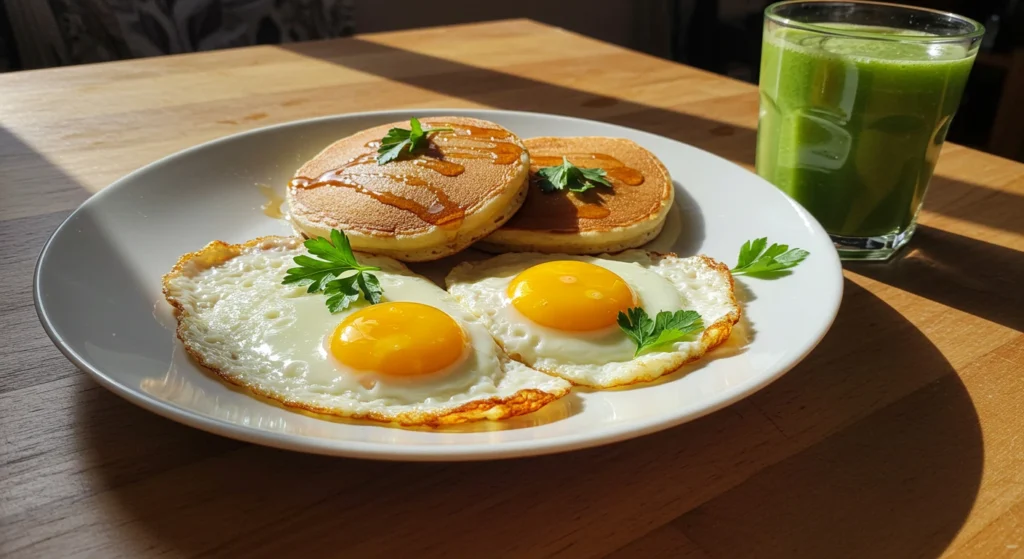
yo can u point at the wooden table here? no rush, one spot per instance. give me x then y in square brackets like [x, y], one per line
[902, 435]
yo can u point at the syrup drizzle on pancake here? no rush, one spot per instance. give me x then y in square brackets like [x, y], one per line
[592, 211]
[488, 143]
[613, 168]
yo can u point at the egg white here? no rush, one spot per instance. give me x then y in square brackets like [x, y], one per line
[602, 358]
[237, 318]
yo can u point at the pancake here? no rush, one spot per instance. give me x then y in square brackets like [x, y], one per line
[466, 184]
[600, 220]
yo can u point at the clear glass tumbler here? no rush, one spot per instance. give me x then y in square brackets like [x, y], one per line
[856, 100]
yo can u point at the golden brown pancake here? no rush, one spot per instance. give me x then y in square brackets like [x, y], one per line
[627, 215]
[466, 184]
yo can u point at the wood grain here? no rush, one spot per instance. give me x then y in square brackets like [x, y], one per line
[899, 436]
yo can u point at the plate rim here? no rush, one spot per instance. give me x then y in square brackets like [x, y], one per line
[411, 452]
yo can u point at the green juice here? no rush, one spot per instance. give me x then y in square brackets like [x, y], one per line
[851, 127]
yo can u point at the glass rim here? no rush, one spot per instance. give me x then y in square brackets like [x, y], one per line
[977, 31]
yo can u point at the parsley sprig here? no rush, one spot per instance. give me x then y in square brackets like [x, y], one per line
[756, 259]
[336, 273]
[571, 177]
[399, 140]
[667, 327]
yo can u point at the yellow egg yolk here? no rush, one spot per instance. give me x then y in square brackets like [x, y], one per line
[570, 295]
[400, 339]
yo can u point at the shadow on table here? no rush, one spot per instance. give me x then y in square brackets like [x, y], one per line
[870, 448]
[973, 276]
[897, 479]
[27, 218]
[976, 204]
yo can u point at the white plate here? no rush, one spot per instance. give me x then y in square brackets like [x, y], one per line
[97, 291]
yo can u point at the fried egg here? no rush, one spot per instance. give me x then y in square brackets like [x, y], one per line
[557, 313]
[417, 358]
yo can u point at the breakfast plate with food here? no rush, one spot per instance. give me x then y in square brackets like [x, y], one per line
[438, 284]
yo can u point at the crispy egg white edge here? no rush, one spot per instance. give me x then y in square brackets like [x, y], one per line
[520, 389]
[698, 272]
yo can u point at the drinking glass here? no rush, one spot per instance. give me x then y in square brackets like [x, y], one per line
[856, 100]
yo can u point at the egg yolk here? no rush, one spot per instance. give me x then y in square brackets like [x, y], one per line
[570, 295]
[400, 339]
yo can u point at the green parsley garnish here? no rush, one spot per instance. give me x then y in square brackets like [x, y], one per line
[569, 176]
[756, 259]
[667, 327]
[399, 140]
[336, 273]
